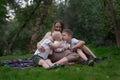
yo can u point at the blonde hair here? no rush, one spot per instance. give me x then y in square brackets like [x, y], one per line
[56, 34]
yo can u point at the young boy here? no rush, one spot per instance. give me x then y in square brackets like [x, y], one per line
[41, 58]
[75, 46]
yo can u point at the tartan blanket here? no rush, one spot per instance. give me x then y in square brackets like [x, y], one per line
[18, 63]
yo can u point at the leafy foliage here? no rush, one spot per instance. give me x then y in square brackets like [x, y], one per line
[3, 11]
[88, 19]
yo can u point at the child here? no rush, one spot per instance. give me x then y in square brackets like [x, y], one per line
[75, 46]
[57, 39]
[41, 58]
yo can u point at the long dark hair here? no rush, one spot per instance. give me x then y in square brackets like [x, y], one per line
[58, 21]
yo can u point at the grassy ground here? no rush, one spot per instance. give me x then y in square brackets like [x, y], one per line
[108, 70]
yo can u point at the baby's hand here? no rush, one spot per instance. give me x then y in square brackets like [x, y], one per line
[64, 48]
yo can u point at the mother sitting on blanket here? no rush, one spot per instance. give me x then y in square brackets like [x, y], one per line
[59, 26]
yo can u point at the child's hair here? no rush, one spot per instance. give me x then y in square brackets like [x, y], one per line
[57, 34]
[68, 31]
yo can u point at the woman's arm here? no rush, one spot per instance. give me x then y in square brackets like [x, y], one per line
[47, 35]
[39, 47]
[53, 45]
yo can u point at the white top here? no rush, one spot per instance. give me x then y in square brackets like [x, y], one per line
[59, 49]
[74, 41]
[45, 54]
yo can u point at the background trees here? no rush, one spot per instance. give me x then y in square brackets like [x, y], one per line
[95, 21]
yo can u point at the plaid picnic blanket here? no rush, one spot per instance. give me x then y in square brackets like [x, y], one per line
[18, 63]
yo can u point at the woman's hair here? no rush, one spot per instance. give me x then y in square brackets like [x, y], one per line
[58, 21]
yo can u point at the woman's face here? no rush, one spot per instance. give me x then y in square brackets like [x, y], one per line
[57, 26]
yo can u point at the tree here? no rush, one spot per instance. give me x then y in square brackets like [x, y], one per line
[3, 22]
[82, 16]
[10, 45]
[3, 11]
[39, 22]
[114, 21]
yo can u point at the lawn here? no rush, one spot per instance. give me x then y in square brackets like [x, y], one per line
[109, 69]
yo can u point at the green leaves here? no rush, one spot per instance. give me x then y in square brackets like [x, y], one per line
[3, 11]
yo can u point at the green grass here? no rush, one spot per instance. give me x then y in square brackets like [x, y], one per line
[108, 70]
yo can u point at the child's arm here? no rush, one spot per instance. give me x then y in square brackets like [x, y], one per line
[55, 45]
[79, 44]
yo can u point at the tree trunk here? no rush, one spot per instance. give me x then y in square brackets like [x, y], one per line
[43, 13]
[114, 21]
[10, 45]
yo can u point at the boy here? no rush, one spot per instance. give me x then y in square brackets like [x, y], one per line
[40, 58]
[75, 47]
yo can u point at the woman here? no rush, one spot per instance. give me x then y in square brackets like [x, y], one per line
[57, 26]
